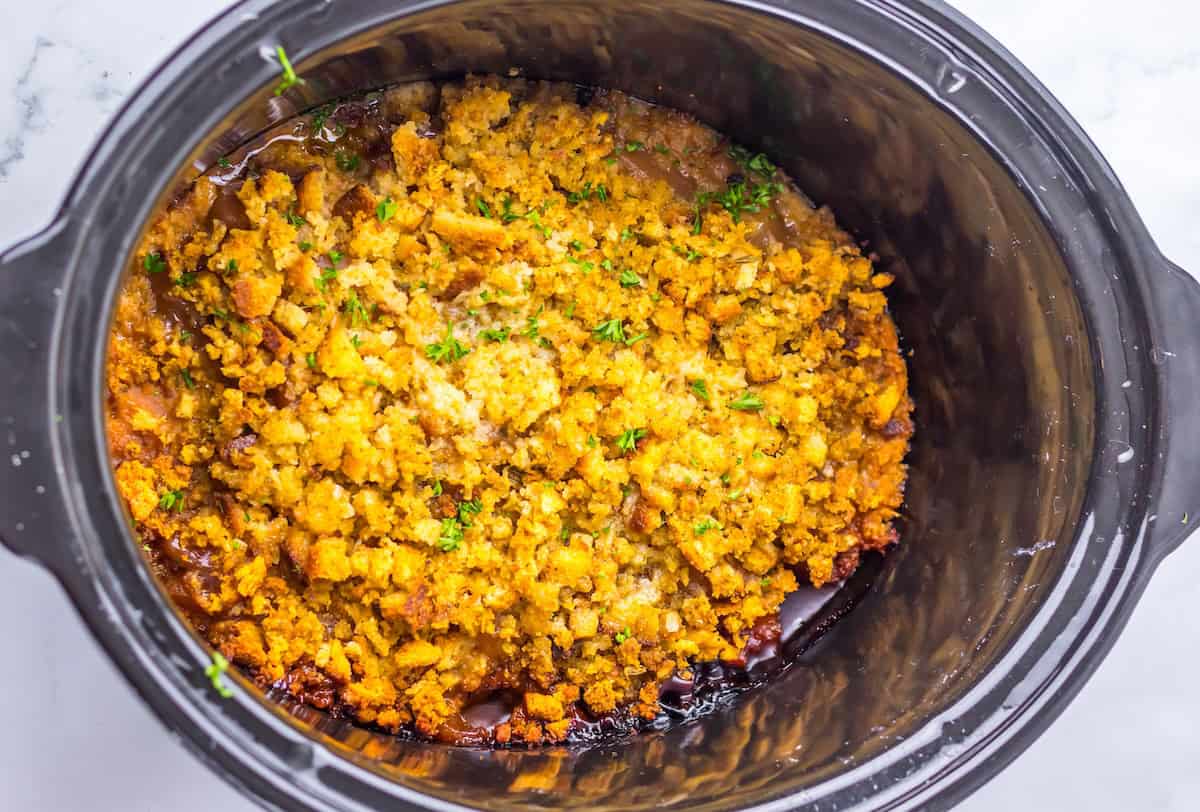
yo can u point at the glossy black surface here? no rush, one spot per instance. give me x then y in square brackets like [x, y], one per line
[1053, 357]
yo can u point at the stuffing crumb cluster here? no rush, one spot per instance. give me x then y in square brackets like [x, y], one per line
[470, 388]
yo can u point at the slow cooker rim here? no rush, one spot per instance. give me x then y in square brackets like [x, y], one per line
[172, 703]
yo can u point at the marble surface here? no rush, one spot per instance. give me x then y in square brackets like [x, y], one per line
[77, 738]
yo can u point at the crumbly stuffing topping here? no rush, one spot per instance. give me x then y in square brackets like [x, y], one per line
[538, 397]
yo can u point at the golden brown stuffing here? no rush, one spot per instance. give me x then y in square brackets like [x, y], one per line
[524, 396]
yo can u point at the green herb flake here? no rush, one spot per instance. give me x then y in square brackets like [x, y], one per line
[186, 279]
[483, 207]
[185, 336]
[773, 420]
[611, 330]
[187, 379]
[451, 536]
[623, 635]
[294, 219]
[499, 336]
[570, 311]
[700, 389]
[354, 310]
[592, 442]
[635, 339]
[171, 500]
[634, 146]
[437, 487]
[629, 279]
[311, 360]
[662, 149]
[346, 161]
[215, 671]
[576, 245]
[327, 276]
[626, 234]
[154, 263]
[290, 78]
[702, 527]
[335, 258]
[386, 209]
[231, 266]
[223, 162]
[629, 439]
[305, 246]
[448, 350]
[470, 508]
[746, 402]
[753, 162]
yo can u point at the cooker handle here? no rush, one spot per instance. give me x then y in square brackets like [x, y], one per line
[1176, 508]
[32, 275]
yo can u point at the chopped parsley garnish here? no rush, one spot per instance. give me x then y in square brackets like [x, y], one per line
[311, 360]
[154, 263]
[467, 509]
[346, 161]
[587, 191]
[634, 146]
[354, 310]
[370, 382]
[223, 162]
[171, 500]
[327, 276]
[700, 389]
[187, 379]
[320, 117]
[533, 328]
[437, 487]
[606, 264]
[355, 341]
[591, 441]
[773, 420]
[662, 149]
[451, 536]
[740, 198]
[635, 339]
[570, 311]
[626, 234]
[611, 330]
[215, 671]
[294, 219]
[629, 439]
[483, 207]
[576, 245]
[629, 279]
[499, 336]
[186, 279]
[335, 258]
[753, 162]
[747, 402]
[185, 336]
[232, 265]
[289, 73]
[385, 210]
[623, 635]
[507, 215]
[704, 526]
[587, 267]
[448, 350]
[583, 194]
[305, 246]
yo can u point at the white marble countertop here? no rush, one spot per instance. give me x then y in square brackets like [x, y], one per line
[76, 736]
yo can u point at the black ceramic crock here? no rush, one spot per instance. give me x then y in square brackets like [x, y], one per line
[1054, 362]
